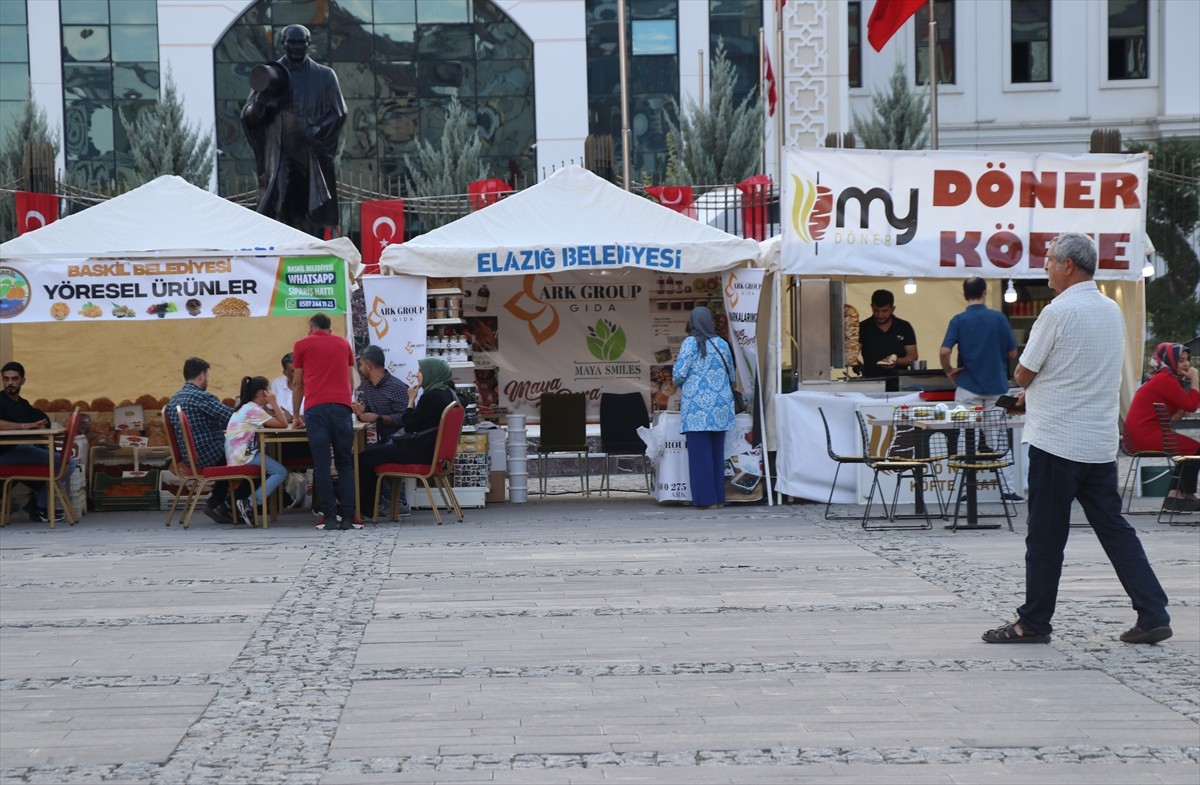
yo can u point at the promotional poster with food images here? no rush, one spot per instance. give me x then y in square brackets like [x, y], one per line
[116, 289]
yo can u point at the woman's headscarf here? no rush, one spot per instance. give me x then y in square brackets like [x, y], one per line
[435, 374]
[1166, 358]
[700, 327]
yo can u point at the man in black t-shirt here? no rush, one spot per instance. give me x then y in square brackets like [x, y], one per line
[888, 344]
[18, 414]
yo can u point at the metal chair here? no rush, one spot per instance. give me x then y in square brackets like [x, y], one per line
[203, 475]
[563, 431]
[878, 445]
[40, 472]
[987, 449]
[1171, 448]
[840, 460]
[621, 414]
[1127, 488]
[440, 469]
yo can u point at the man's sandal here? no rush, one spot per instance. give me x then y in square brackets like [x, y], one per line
[1009, 634]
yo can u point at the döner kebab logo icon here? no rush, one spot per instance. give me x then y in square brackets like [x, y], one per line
[810, 210]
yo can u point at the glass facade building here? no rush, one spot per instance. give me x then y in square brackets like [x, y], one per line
[14, 62]
[398, 62]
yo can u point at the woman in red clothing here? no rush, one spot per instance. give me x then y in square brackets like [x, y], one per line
[1171, 381]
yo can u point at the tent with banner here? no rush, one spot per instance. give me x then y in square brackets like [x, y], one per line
[577, 285]
[138, 283]
[876, 219]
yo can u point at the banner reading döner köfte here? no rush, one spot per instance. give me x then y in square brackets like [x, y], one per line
[951, 214]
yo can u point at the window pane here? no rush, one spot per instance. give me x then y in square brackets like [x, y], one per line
[395, 42]
[14, 82]
[396, 12]
[12, 14]
[87, 82]
[944, 11]
[854, 31]
[1128, 55]
[445, 42]
[653, 38]
[136, 80]
[653, 9]
[14, 44]
[1030, 47]
[83, 11]
[85, 44]
[132, 43]
[133, 12]
[442, 11]
[360, 10]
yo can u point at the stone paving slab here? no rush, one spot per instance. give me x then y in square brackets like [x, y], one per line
[573, 640]
[135, 650]
[948, 634]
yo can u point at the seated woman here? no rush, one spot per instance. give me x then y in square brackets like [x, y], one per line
[241, 446]
[417, 440]
[1172, 381]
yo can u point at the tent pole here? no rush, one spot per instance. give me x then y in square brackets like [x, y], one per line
[626, 140]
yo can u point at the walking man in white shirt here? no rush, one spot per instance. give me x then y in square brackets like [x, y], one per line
[1073, 363]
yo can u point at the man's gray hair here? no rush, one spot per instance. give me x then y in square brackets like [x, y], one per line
[1079, 248]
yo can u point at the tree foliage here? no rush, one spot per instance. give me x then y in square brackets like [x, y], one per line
[1172, 216]
[720, 142]
[30, 126]
[448, 168]
[899, 119]
[162, 142]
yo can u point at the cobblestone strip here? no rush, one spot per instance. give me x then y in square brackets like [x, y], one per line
[770, 756]
[273, 720]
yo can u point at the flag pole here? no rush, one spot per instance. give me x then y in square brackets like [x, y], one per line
[762, 90]
[626, 141]
[933, 117]
[781, 91]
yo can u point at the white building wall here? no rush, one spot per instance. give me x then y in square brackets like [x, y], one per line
[984, 110]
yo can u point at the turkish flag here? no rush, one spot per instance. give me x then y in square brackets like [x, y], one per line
[484, 192]
[887, 17]
[382, 225]
[769, 81]
[674, 197]
[35, 210]
[756, 195]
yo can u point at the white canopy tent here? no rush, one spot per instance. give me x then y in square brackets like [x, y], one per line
[571, 221]
[166, 219]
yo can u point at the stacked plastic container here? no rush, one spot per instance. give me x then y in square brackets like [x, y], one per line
[518, 460]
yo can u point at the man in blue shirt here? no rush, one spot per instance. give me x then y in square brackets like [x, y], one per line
[985, 342]
[208, 418]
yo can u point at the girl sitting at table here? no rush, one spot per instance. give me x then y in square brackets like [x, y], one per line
[417, 441]
[1172, 381]
[241, 443]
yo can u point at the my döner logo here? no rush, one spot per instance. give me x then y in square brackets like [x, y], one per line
[812, 205]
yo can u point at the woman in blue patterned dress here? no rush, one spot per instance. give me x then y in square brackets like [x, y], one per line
[704, 371]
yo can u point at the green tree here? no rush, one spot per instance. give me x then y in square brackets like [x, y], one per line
[899, 119]
[718, 143]
[162, 142]
[1172, 215]
[30, 126]
[446, 169]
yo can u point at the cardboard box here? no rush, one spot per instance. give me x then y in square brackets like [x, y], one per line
[128, 418]
[497, 493]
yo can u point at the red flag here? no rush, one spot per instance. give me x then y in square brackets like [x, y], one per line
[35, 210]
[484, 192]
[887, 17]
[382, 225]
[674, 197]
[769, 80]
[756, 196]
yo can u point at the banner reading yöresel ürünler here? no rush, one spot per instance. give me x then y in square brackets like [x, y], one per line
[952, 214]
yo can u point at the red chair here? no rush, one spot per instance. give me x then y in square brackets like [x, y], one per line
[40, 472]
[199, 477]
[441, 470]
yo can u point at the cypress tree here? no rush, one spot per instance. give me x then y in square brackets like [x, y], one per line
[30, 126]
[899, 119]
[162, 142]
[446, 169]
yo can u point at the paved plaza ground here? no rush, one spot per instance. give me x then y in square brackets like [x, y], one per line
[580, 641]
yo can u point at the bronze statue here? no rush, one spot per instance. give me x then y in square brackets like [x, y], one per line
[292, 120]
